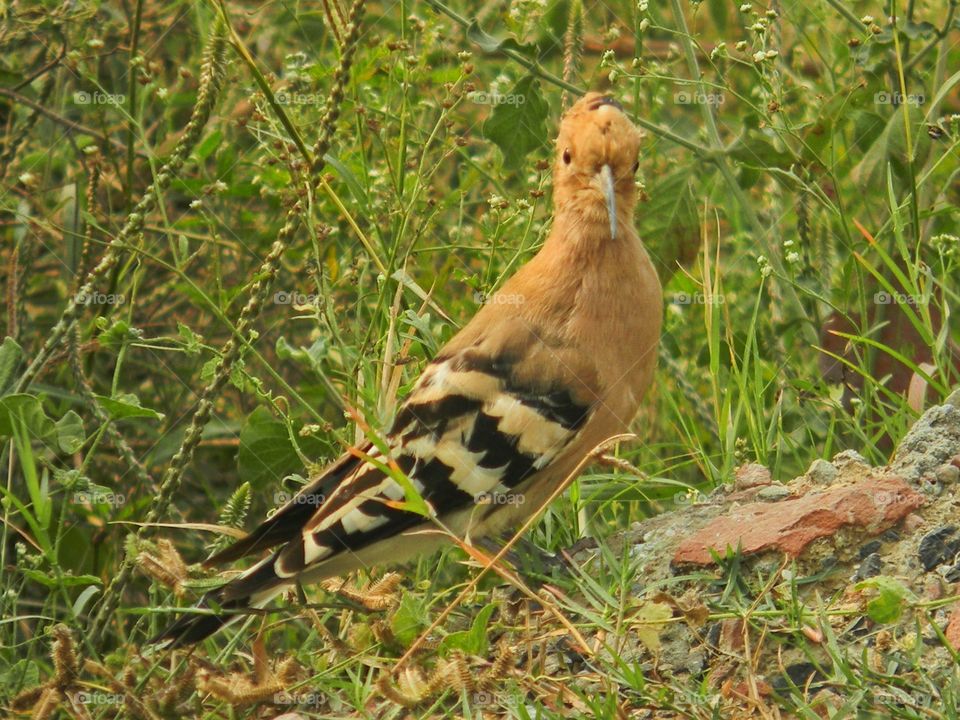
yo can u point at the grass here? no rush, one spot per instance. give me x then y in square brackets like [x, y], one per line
[261, 257]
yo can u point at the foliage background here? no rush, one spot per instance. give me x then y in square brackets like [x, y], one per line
[799, 175]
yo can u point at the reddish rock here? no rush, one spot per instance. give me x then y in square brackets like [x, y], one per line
[952, 632]
[751, 475]
[873, 504]
[731, 635]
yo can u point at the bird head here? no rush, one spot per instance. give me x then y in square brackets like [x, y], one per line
[597, 159]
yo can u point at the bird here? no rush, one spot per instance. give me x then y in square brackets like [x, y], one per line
[551, 365]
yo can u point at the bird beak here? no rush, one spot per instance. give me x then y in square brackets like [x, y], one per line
[609, 194]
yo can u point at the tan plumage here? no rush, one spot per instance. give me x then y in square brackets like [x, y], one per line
[556, 362]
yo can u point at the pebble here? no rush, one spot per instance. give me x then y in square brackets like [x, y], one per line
[938, 546]
[947, 474]
[870, 548]
[891, 535]
[751, 475]
[849, 457]
[772, 493]
[950, 573]
[953, 399]
[822, 472]
[871, 566]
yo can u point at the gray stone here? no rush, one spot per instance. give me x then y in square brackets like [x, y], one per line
[822, 472]
[932, 441]
[947, 474]
[849, 457]
[772, 493]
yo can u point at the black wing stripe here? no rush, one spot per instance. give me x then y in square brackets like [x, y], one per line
[286, 524]
[498, 448]
[432, 417]
[440, 491]
[556, 406]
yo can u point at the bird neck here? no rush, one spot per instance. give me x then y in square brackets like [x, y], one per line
[582, 226]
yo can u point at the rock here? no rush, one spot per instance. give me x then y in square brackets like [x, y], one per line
[789, 526]
[871, 566]
[938, 546]
[932, 441]
[933, 590]
[870, 548]
[849, 457]
[802, 675]
[953, 629]
[731, 635]
[751, 475]
[947, 474]
[912, 522]
[772, 493]
[822, 472]
[950, 573]
[891, 535]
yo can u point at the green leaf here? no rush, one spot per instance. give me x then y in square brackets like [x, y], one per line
[126, 405]
[235, 511]
[890, 148]
[52, 581]
[192, 342]
[668, 221]
[650, 620]
[84, 598]
[117, 334]
[408, 620]
[356, 189]
[70, 435]
[718, 13]
[518, 124]
[267, 454]
[10, 356]
[29, 408]
[915, 30]
[473, 641]
[757, 150]
[892, 596]
[490, 44]
[23, 674]
[210, 143]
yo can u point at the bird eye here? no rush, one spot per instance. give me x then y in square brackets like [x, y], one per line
[566, 156]
[636, 166]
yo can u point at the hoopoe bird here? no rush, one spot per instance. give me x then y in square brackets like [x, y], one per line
[556, 362]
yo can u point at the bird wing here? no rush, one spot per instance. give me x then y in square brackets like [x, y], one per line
[493, 409]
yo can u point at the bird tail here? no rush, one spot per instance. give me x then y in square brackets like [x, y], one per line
[250, 591]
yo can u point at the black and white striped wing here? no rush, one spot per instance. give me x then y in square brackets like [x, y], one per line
[468, 429]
